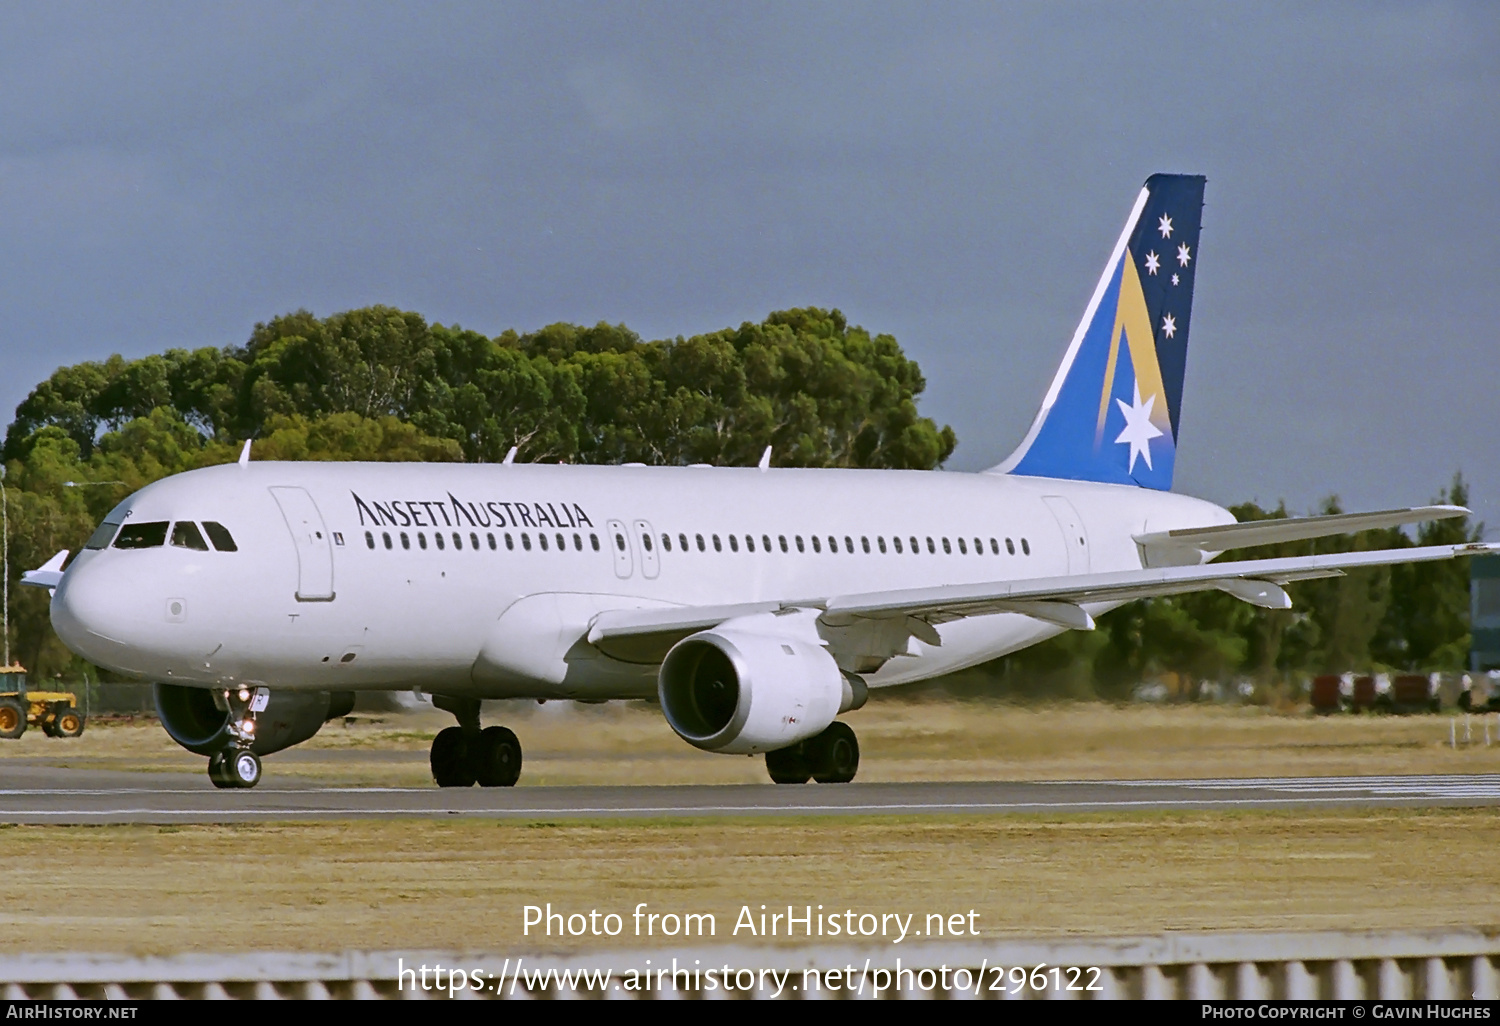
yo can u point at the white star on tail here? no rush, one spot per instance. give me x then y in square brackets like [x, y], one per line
[1138, 428]
[1153, 262]
[1182, 255]
[1168, 328]
[1165, 227]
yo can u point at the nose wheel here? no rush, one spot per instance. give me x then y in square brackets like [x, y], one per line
[234, 767]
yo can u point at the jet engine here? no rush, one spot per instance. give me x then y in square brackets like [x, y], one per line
[198, 718]
[738, 692]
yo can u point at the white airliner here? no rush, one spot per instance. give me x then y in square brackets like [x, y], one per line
[755, 604]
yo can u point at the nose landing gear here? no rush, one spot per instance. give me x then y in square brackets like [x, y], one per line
[465, 755]
[236, 765]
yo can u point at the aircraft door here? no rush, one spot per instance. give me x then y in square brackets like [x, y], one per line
[619, 547]
[650, 560]
[314, 548]
[1075, 538]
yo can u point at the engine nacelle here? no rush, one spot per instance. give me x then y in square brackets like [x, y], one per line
[737, 692]
[196, 719]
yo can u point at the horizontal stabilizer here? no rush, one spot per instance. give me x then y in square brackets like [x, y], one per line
[1191, 545]
[49, 574]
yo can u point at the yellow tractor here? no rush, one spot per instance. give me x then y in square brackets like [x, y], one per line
[56, 712]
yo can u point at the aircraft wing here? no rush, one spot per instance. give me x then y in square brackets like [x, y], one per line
[638, 635]
[1194, 544]
[1059, 599]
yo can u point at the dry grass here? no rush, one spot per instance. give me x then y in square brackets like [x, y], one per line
[460, 885]
[901, 740]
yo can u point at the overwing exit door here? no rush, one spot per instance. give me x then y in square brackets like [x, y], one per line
[1075, 538]
[314, 548]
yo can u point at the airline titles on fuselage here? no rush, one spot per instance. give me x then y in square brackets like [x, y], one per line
[457, 513]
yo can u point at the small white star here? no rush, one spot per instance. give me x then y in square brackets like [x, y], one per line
[1168, 326]
[1182, 255]
[1138, 428]
[1165, 227]
[1153, 263]
[1174, 279]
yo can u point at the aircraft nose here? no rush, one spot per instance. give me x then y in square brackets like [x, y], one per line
[92, 616]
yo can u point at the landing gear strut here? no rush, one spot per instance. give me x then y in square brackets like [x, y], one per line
[831, 757]
[465, 755]
[237, 765]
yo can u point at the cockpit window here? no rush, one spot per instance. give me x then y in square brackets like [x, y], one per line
[103, 535]
[142, 536]
[219, 535]
[185, 534]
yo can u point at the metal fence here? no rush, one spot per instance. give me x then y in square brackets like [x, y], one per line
[1426, 965]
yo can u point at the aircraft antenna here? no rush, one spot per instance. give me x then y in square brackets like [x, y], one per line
[245, 454]
[765, 459]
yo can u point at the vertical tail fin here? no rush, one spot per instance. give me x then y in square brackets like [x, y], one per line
[1112, 412]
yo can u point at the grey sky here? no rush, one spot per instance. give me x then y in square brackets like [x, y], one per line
[953, 174]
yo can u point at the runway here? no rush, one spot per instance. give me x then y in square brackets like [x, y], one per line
[35, 794]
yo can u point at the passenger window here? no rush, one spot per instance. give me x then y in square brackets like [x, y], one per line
[962, 548]
[718, 546]
[734, 543]
[541, 539]
[749, 543]
[405, 540]
[666, 543]
[369, 540]
[781, 538]
[994, 546]
[594, 541]
[385, 536]
[864, 543]
[474, 541]
[765, 542]
[646, 542]
[437, 538]
[701, 546]
[682, 542]
[916, 550]
[421, 539]
[1010, 546]
[185, 535]
[142, 536]
[458, 540]
[491, 539]
[510, 542]
[1025, 546]
[526, 541]
[896, 541]
[817, 545]
[947, 549]
[931, 548]
[578, 542]
[562, 543]
[102, 536]
[833, 544]
[881, 542]
[620, 541]
[978, 546]
[799, 544]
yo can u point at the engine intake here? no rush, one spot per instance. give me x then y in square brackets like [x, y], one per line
[738, 692]
[193, 718]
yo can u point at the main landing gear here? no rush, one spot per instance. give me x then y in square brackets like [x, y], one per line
[236, 765]
[831, 757]
[466, 755]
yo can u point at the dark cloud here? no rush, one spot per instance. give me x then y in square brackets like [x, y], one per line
[170, 174]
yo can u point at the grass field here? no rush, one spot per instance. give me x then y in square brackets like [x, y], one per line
[900, 740]
[408, 885]
[461, 885]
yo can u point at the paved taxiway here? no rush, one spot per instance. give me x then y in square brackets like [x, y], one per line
[44, 794]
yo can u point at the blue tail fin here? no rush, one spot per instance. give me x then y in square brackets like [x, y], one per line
[1112, 412]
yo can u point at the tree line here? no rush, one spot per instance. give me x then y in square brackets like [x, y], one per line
[384, 384]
